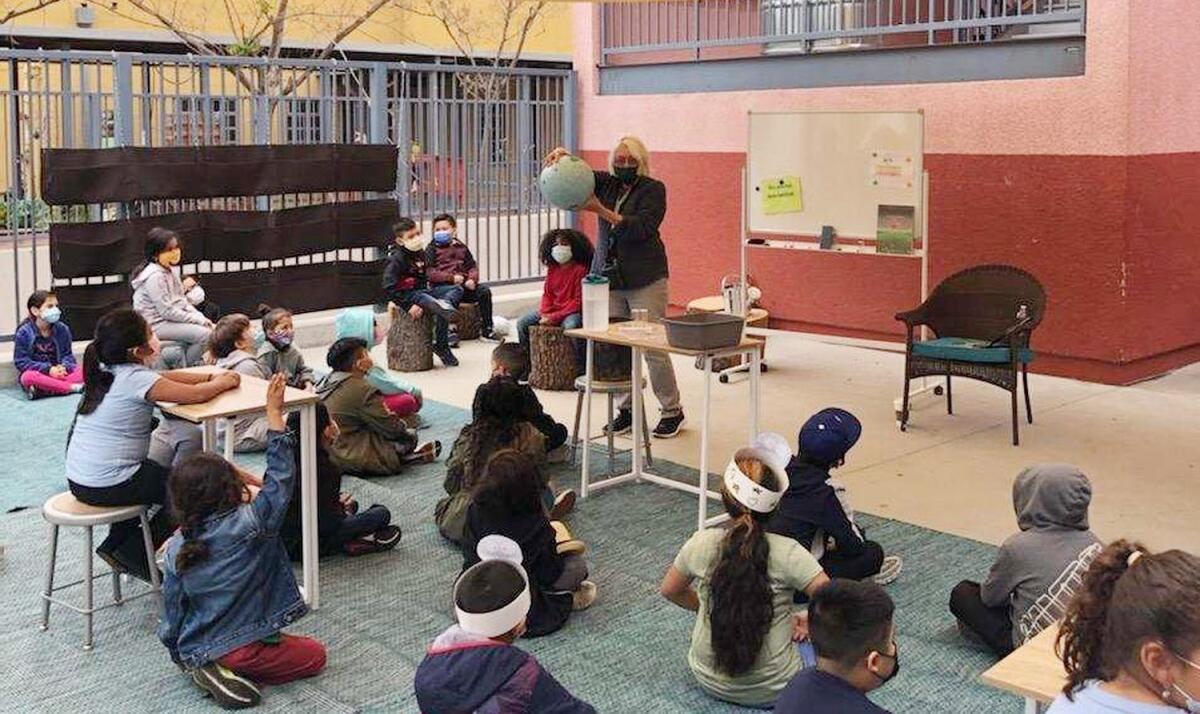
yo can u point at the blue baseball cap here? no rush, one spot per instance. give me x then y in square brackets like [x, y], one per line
[828, 435]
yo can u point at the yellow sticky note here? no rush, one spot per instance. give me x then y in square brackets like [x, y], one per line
[781, 194]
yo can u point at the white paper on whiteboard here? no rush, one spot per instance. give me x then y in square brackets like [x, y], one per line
[891, 169]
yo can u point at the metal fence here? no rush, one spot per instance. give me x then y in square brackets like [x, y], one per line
[471, 142]
[682, 30]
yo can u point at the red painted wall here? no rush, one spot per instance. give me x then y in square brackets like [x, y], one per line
[1111, 238]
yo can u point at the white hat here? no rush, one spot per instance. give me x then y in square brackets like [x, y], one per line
[745, 491]
[493, 549]
[777, 447]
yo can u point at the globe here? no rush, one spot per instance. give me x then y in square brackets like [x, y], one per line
[567, 183]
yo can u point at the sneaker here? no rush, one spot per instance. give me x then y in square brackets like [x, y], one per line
[446, 356]
[668, 427]
[33, 393]
[489, 334]
[443, 309]
[425, 453]
[890, 570]
[583, 598]
[387, 537]
[564, 503]
[226, 687]
[452, 338]
[622, 424]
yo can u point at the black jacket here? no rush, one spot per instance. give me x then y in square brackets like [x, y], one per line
[404, 274]
[635, 255]
[548, 610]
[809, 504]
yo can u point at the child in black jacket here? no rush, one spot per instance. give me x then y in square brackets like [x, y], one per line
[510, 362]
[406, 283]
[814, 510]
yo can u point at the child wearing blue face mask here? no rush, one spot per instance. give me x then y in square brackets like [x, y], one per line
[454, 275]
[277, 354]
[567, 255]
[232, 345]
[42, 350]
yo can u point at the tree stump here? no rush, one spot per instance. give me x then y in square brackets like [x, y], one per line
[612, 363]
[552, 359]
[409, 342]
[467, 321]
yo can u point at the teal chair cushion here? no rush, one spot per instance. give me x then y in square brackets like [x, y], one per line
[962, 349]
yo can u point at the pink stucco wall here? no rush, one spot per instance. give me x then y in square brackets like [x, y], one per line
[1075, 115]
[1164, 63]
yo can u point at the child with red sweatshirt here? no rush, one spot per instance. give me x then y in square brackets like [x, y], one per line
[567, 255]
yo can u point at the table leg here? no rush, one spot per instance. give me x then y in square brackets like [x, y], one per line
[308, 503]
[755, 381]
[209, 434]
[586, 462]
[639, 407]
[229, 439]
[1033, 706]
[703, 508]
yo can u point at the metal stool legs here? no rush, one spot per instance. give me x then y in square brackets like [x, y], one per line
[49, 577]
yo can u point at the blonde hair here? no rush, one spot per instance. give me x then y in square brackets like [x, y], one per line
[636, 149]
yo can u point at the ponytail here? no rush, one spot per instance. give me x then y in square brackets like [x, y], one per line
[117, 334]
[741, 604]
[192, 551]
[202, 485]
[1129, 596]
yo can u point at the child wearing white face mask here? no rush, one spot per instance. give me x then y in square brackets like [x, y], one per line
[406, 283]
[567, 255]
[108, 450]
[1131, 637]
[42, 350]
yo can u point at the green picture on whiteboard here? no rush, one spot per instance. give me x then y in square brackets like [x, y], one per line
[781, 195]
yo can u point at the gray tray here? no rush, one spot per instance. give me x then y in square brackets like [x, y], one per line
[704, 330]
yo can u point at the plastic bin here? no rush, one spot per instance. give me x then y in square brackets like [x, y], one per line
[704, 330]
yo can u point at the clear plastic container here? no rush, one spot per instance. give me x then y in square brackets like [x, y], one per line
[595, 302]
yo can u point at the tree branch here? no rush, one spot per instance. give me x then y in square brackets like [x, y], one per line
[14, 13]
[277, 25]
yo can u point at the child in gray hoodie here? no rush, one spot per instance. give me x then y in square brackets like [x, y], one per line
[1051, 502]
[158, 296]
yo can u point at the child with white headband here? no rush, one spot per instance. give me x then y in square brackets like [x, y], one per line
[473, 665]
[742, 644]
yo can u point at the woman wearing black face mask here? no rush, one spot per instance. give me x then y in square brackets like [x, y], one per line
[629, 207]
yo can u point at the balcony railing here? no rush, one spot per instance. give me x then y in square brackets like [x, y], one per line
[695, 30]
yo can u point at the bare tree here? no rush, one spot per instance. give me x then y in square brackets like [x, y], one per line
[10, 11]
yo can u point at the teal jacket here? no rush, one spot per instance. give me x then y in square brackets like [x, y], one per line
[360, 322]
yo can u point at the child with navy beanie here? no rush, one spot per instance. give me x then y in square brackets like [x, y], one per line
[815, 510]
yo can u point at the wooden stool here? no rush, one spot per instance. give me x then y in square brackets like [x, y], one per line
[409, 341]
[552, 358]
[65, 510]
[610, 389]
[758, 317]
[467, 323]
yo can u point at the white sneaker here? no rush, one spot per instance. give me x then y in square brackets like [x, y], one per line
[890, 570]
[583, 598]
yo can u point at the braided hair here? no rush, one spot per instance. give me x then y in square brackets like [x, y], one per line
[203, 485]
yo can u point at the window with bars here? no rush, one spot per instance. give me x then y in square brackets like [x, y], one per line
[185, 122]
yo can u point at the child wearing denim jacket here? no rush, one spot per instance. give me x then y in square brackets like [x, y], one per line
[228, 587]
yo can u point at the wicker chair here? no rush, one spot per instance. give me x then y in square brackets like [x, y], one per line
[982, 318]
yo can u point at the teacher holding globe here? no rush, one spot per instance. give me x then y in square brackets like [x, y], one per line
[629, 205]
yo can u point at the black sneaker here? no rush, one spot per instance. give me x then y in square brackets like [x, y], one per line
[622, 424]
[33, 393]
[668, 427]
[446, 356]
[387, 537]
[226, 687]
[489, 334]
[452, 338]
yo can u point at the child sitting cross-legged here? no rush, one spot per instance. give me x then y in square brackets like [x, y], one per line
[373, 441]
[510, 363]
[340, 525]
[508, 502]
[816, 511]
[231, 344]
[473, 666]
[228, 588]
[743, 643]
[42, 350]
[850, 626]
[497, 422]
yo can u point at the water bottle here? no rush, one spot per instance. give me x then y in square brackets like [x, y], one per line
[595, 302]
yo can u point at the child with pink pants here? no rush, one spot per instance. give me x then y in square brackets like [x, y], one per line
[42, 350]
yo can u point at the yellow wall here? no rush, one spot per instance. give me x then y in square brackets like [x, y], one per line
[391, 30]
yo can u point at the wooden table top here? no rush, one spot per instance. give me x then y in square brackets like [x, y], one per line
[250, 396]
[652, 336]
[1032, 670]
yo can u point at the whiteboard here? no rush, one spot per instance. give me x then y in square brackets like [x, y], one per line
[847, 165]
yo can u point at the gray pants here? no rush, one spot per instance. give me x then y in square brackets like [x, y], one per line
[173, 441]
[652, 298]
[574, 572]
[194, 338]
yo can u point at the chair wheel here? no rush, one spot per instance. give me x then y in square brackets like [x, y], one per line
[939, 390]
[723, 379]
[762, 367]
